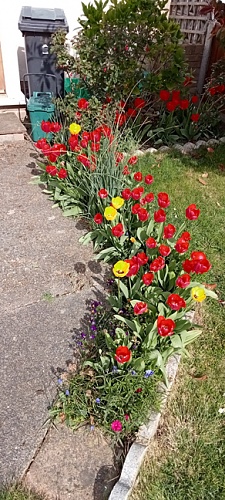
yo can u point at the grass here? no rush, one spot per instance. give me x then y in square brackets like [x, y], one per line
[17, 492]
[186, 461]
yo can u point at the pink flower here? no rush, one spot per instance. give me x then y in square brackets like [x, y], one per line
[116, 426]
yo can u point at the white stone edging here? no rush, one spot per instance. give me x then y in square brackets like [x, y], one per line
[183, 148]
[136, 454]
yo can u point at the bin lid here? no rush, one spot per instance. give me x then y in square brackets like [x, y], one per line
[41, 101]
[41, 20]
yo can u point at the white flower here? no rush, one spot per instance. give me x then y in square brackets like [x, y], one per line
[224, 394]
[221, 410]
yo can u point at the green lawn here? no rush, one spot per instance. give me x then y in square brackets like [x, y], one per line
[17, 492]
[187, 459]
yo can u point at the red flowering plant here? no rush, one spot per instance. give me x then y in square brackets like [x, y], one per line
[185, 117]
[87, 164]
[156, 283]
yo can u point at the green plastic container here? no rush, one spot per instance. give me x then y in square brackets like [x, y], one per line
[40, 108]
[74, 85]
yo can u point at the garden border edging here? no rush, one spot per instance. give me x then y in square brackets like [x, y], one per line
[136, 454]
[185, 149]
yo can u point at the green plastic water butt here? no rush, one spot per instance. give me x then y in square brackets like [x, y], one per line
[74, 85]
[40, 108]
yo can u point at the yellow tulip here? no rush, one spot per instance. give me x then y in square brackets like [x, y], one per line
[110, 213]
[117, 202]
[121, 268]
[132, 239]
[198, 294]
[74, 128]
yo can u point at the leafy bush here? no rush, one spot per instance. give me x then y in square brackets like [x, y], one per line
[123, 48]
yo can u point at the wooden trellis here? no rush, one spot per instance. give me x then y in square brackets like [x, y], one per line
[192, 24]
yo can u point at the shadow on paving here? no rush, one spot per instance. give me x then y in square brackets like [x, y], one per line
[46, 280]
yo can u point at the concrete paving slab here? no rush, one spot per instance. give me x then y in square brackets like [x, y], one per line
[46, 280]
[67, 469]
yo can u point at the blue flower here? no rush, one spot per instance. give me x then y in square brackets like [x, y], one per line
[98, 401]
[133, 372]
[67, 393]
[148, 373]
[92, 427]
[114, 369]
[59, 381]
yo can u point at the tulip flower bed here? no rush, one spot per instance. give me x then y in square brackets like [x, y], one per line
[154, 283]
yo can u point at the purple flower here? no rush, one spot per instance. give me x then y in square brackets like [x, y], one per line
[92, 427]
[133, 372]
[92, 337]
[114, 369]
[93, 328]
[148, 373]
[59, 381]
[98, 401]
[67, 393]
[83, 335]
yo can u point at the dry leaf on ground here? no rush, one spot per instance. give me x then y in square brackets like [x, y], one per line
[202, 182]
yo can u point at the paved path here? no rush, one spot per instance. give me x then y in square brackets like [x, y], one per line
[40, 257]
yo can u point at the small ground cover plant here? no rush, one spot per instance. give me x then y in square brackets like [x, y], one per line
[153, 283]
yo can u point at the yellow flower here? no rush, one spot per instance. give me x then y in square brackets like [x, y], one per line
[132, 239]
[117, 202]
[110, 213]
[74, 128]
[121, 268]
[198, 294]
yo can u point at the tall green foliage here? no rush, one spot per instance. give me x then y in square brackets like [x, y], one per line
[124, 47]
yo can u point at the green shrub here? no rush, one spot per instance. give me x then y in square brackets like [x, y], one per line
[124, 48]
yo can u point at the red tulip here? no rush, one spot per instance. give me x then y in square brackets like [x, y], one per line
[165, 326]
[149, 197]
[175, 302]
[51, 170]
[134, 266]
[140, 308]
[151, 243]
[138, 176]
[137, 192]
[123, 354]
[148, 278]
[133, 160]
[135, 208]
[183, 281]
[192, 212]
[143, 215]
[164, 95]
[142, 258]
[126, 194]
[163, 200]
[164, 250]
[188, 266]
[62, 174]
[103, 193]
[181, 246]
[160, 215]
[195, 117]
[184, 104]
[98, 218]
[149, 179]
[118, 230]
[201, 266]
[95, 147]
[82, 103]
[139, 103]
[157, 264]
[169, 231]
